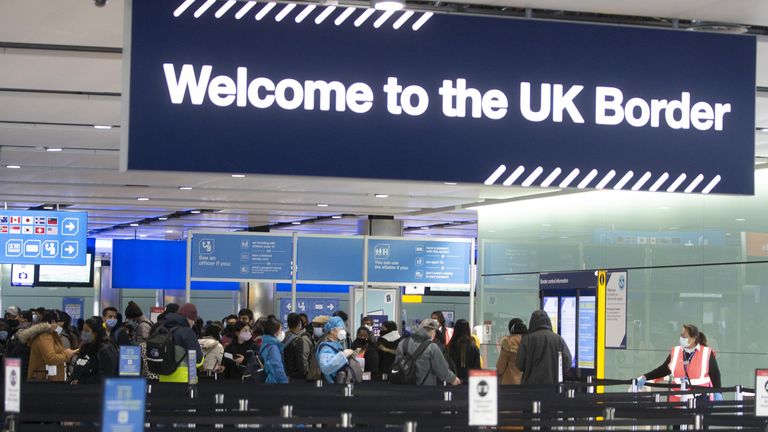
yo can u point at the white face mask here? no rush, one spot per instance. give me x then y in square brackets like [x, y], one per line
[58, 330]
[683, 342]
[370, 328]
[342, 335]
[317, 331]
[280, 336]
[244, 337]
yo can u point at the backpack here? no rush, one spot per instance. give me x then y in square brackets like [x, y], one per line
[404, 368]
[291, 357]
[313, 373]
[254, 371]
[161, 351]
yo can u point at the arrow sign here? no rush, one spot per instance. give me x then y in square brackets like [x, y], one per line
[68, 249]
[70, 226]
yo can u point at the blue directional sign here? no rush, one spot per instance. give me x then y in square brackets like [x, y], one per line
[43, 237]
[130, 360]
[418, 262]
[124, 405]
[313, 307]
[330, 259]
[240, 257]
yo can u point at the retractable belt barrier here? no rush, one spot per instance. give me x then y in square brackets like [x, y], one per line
[231, 405]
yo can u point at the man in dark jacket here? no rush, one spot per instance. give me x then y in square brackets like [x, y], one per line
[185, 339]
[431, 365]
[298, 349]
[539, 351]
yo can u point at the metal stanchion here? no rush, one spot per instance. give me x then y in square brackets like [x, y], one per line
[536, 408]
[410, 426]
[149, 388]
[346, 420]
[698, 422]
[348, 390]
[609, 414]
[590, 381]
[571, 394]
[739, 396]
[447, 396]
[218, 398]
[319, 383]
[634, 388]
[192, 391]
[243, 404]
[286, 411]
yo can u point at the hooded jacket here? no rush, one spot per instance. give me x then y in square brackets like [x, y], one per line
[537, 357]
[387, 350]
[213, 352]
[505, 365]
[184, 338]
[45, 349]
[431, 365]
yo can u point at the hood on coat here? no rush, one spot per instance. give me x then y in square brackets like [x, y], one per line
[391, 336]
[511, 343]
[175, 320]
[421, 335]
[539, 321]
[28, 335]
[208, 343]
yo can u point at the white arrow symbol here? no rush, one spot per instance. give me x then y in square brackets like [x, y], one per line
[69, 249]
[70, 226]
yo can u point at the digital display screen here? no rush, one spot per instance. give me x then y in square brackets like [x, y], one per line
[65, 274]
[22, 275]
[568, 325]
[550, 307]
[587, 331]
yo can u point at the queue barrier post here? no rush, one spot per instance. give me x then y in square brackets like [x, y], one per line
[739, 396]
[319, 383]
[590, 381]
[346, 420]
[218, 398]
[698, 422]
[536, 408]
[286, 411]
[634, 385]
[447, 396]
[410, 426]
[348, 390]
[609, 414]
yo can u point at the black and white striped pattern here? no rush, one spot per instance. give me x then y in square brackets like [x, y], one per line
[303, 13]
[537, 176]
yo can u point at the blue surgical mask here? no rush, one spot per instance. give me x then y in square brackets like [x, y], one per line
[86, 337]
[3, 335]
[111, 323]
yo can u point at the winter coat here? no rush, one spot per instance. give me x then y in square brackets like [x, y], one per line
[431, 365]
[371, 357]
[537, 356]
[465, 355]
[247, 350]
[387, 350]
[213, 352]
[297, 351]
[45, 349]
[505, 365]
[92, 368]
[271, 354]
[185, 339]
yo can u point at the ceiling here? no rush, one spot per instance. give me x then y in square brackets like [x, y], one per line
[60, 74]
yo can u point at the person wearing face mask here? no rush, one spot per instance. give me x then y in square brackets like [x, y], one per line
[184, 339]
[47, 355]
[237, 352]
[97, 358]
[297, 349]
[271, 352]
[368, 352]
[388, 341]
[367, 322]
[691, 361]
[67, 334]
[332, 358]
[228, 334]
[109, 316]
[12, 319]
[318, 328]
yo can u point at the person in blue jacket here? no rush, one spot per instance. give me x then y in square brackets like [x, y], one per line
[331, 355]
[271, 351]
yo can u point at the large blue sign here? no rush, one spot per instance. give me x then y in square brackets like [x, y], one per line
[395, 261]
[43, 237]
[503, 101]
[313, 307]
[241, 257]
[124, 405]
[330, 259]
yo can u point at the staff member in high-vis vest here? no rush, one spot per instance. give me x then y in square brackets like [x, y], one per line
[692, 361]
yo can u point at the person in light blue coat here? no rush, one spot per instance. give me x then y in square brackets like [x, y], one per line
[331, 355]
[271, 351]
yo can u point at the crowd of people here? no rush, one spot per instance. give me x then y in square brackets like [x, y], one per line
[264, 350]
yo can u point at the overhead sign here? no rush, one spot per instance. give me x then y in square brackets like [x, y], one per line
[616, 310]
[326, 259]
[12, 385]
[313, 307]
[240, 257]
[483, 398]
[124, 405]
[397, 261]
[43, 237]
[562, 105]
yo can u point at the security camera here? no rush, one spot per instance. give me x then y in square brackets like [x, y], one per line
[100, 3]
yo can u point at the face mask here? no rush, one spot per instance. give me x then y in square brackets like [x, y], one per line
[317, 331]
[342, 335]
[244, 337]
[361, 341]
[12, 323]
[370, 328]
[111, 323]
[3, 335]
[86, 337]
[280, 336]
[35, 318]
[59, 330]
[683, 342]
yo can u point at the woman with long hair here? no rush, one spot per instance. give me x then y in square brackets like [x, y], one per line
[97, 357]
[463, 350]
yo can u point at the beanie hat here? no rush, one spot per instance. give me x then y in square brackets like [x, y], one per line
[188, 311]
[333, 323]
[133, 310]
[171, 308]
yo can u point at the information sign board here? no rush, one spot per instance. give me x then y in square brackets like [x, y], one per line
[483, 398]
[394, 261]
[124, 405]
[240, 257]
[43, 237]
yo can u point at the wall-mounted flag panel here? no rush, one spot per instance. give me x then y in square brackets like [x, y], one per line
[330, 259]
[43, 237]
[246, 87]
[395, 261]
[240, 257]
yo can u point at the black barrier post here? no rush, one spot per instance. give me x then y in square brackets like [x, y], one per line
[286, 411]
[609, 414]
[536, 408]
[346, 420]
[698, 422]
[410, 426]
[447, 396]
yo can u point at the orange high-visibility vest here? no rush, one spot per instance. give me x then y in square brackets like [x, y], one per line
[698, 368]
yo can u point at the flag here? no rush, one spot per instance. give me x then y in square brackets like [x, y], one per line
[26, 230]
[53, 221]
[52, 230]
[39, 230]
[27, 220]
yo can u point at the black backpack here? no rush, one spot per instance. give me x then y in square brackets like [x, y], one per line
[404, 369]
[161, 351]
[291, 357]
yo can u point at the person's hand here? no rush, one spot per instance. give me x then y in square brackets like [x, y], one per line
[69, 353]
[456, 381]
[219, 369]
[718, 396]
[641, 382]
[239, 359]
[348, 352]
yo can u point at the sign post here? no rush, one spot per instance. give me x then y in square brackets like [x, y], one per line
[483, 398]
[124, 405]
[130, 361]
[12, 390]
[761, 392]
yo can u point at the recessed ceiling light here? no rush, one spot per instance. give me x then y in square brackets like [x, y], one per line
[336, 217]
[195, 211]
[142, 235]
[740, 220]
[53, 149]
[13, 166]
[322, 205]
[185, 187]
[47, 207]
[142, 199]
[134, 224]
[102, 127]
[425, 227]
[295, 223]
[388, 5]
[381, 195]
[238, 175]
[450, 183]
[764, 129]
[169, 231]
[162, 218]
